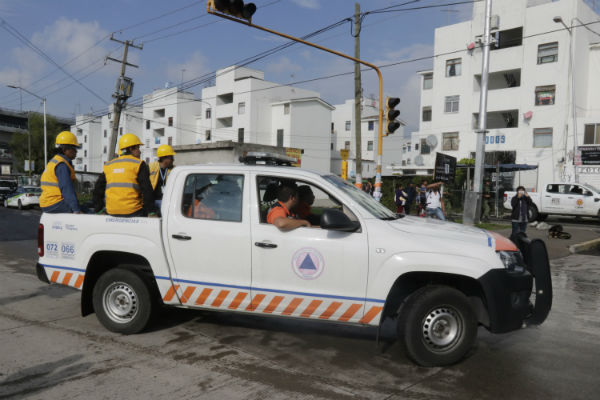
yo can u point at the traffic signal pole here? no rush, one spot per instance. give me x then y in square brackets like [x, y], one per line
[357, 100]
[211, 10]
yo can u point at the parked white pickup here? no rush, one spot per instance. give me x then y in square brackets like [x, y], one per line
[574, 199]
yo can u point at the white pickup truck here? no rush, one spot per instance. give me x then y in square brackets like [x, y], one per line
[212, 249]
[574, 199]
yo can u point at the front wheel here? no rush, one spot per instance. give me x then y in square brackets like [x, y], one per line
[437, 326]
[122, 301]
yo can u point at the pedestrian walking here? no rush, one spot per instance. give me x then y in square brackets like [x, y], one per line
[400, 199]
[411, 193]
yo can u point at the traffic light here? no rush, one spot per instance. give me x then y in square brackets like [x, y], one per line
[391, 125]
[237, 8]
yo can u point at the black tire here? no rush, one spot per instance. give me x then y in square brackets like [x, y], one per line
[532, 213]
[19, 205]
[122, 301]
[542, 217]
[437, 326]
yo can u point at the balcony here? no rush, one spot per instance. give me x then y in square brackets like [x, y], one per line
[499, 119]
[500, 80]
[505, 59]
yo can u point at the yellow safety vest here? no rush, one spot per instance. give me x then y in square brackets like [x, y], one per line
[123, 194]
[155, 173]
[51, 193]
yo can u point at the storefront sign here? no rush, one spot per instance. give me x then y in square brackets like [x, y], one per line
[590, 155]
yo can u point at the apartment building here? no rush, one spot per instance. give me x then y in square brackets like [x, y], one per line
[343, 136]
[543, 97]
[245, 108]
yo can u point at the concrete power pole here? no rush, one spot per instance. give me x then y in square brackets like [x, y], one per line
[357, 97]
[472, 208]
[122, 92]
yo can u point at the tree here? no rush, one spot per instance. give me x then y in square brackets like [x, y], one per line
[19, 142]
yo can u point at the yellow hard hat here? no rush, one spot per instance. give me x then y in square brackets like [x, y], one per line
[164, 150]
[128, 140]
[66, 137]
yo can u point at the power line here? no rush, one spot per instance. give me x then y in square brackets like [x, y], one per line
[14, 32]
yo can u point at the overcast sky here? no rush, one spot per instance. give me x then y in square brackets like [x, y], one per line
[182, 42]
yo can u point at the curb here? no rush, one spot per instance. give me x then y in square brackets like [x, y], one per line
[589, 245]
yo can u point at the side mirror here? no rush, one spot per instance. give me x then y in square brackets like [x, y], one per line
[337, 221]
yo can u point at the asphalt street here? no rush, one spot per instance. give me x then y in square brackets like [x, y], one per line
[48, 351]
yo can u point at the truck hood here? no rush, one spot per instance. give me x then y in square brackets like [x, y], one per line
[436, 231]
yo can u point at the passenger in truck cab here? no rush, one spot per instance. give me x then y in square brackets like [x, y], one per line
[124, 186]
[160, 170]
[282, 214]
[58, 179]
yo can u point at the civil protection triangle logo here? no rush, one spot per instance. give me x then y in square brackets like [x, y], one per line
[308, 263]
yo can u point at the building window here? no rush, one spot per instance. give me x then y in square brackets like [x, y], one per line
[207, 134]
[286, 108]
[147, 124]
[425, 147]
[347, 145]
[544, 95]
[408, 161]
[348, 125]
[427, 81]
[241, 108]
[416, 147]
[170, 121]
[542, 137]
[426, 114]
[331, 147]
[451, 104]
[105, 133]
[403, 162]
[547, 53]
[592, 134]
[279, 137]
[240, 135]
[170, 142]
[85, 153]
[159, 113]
[332, 130]
[453, 67]
[208, 113]
[85, 139]
[371, 125]
[408, 147]
[403, 149]
[121, 131]
[450, 141]
[370, 145]
[104, 150]
[147, 143]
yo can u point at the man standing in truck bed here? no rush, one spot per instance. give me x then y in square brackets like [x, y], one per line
[125, 184]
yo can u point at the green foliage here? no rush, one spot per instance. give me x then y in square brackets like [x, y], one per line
[19, 142]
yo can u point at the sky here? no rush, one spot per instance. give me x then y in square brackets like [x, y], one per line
[181, 42]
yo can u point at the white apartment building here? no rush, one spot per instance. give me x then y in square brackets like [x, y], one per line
[169, 117]
[243, 107]
[343, 136]
[530, 97]
[94, 135]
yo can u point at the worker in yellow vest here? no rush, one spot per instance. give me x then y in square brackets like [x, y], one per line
[160, 170]
[124, 186]
[58, 179]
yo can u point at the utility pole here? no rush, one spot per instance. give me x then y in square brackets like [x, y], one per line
[357, 98]
[123, 91]
[473, 199]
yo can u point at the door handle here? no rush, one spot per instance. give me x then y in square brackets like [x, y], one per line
[181, 237]
[547, 196]
[571, 197]
[265, 245]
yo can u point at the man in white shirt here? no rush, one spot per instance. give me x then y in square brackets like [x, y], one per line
[435, 205]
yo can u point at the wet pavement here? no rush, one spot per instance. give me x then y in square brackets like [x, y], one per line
[48, 351]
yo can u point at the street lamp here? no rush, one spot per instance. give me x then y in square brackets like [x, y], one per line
[559, 20]
[43, 99]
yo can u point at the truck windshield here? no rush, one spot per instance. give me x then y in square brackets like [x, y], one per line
[369, 203]
[595, 189]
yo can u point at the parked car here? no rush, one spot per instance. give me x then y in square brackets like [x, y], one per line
[573, 199]
[24, 197]
[213, 249]
[7, 187]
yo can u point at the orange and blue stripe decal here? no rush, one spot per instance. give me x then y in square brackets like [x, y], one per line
[270, 301]
[65, 275]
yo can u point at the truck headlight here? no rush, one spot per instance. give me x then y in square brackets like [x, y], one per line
[512, 260]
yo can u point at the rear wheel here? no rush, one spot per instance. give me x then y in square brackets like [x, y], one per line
[532, 213]
[123, 301]
[437, 326]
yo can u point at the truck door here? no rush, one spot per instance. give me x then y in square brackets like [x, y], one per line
[307, 272]
[576, 200]
[208, 235]
[550, 199]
